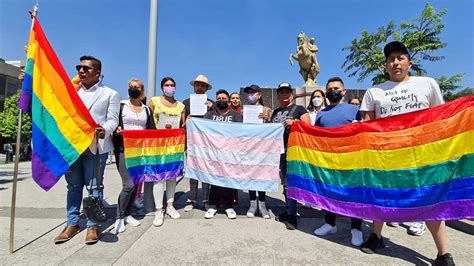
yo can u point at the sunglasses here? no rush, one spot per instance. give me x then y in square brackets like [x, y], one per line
[85, 68]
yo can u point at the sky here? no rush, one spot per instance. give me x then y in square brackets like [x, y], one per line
[235, 43]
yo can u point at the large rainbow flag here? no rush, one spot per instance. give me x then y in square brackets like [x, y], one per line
[62, 127]
[234, 155]
[154, 155]
[412, 167]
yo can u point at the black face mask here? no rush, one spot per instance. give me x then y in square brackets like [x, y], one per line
[134, 93]
[222, 105]
[334, 96]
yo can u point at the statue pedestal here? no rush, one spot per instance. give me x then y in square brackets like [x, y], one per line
[303, 94]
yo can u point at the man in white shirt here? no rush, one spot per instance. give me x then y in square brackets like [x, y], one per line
[403, 94]
[103, 104]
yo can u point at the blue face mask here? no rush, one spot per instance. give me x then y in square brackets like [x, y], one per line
[252, 98]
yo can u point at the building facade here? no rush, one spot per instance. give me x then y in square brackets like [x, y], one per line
[9, 82]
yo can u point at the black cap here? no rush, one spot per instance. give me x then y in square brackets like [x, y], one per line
[284, 85]
[395, 46]
[252, 87]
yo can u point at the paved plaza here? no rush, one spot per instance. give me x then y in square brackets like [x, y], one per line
[40, 216]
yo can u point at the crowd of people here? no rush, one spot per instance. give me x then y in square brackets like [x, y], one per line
[327, 108]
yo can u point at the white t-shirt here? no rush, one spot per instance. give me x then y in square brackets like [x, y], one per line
[394, 98]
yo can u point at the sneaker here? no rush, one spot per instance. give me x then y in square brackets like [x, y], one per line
[252, 209]
[210, 213]
[393, 224]
[158, 221]
[119, 226]
[445, 260]
[231, 213]
[262, 208]
[325, 229]
[189, 205]
[132, 221]
[282, 217]
[417, 229]
[373, 243]
[292, 223]
[172, 212]
[357, 237]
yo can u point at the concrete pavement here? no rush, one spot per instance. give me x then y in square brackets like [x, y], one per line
[192, 239]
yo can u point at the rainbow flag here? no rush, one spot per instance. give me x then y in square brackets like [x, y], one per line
[234, 155]
[412, 167]
[62, 128]
[154, 155]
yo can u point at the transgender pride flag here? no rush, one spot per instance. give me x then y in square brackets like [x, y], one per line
[234, 155]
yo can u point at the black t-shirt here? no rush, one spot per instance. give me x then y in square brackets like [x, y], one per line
[290, 112]
[231, 116]
[187, 109]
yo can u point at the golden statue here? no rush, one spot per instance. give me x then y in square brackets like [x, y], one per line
[306, 57]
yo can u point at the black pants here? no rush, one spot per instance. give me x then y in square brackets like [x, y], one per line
[253, 195]
[220, 195]
[330, 218]
[129, 190]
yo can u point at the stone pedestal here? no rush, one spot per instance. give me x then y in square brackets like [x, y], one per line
[303, 94]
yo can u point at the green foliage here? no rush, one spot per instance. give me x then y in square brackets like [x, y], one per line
[421, 36]
[450, 85]
[465, 92]
[9, 120]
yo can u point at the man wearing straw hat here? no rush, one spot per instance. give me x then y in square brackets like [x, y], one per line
[201, 85]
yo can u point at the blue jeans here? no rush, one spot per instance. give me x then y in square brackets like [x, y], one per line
[82, 173]
[290, 203]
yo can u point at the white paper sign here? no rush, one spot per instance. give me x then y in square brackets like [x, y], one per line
[165, 119]
[251, 113]
[198, 104]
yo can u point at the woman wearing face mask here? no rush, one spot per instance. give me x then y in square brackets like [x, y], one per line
[254, 97]
[133, 115]
[235, 102]
[316, 103]
[168, 113]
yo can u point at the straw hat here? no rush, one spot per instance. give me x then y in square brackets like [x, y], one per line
[203, 79]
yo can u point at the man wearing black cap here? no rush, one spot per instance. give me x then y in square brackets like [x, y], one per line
[399, 95]
[287, 113]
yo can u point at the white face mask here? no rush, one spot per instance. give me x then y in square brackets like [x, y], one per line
[317, 101]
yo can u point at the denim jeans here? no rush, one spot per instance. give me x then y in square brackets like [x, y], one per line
[290, 203]
[80, 174]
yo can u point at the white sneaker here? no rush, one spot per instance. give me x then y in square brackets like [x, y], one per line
[417, 229]
[158, 221]
[357, 237]
[210, 213]
[393, 224]
[119, 226]
[252, 209]
[172, 212]
[262, 208]
[326, 229]
[132, 221]
[189, 206]
[231, 213]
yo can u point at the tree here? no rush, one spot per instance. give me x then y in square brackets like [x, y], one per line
[450, 85]
[465, 92]
[421, 36]
[9, 120]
